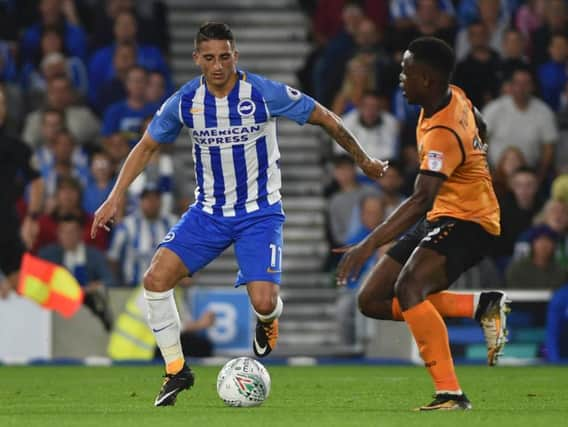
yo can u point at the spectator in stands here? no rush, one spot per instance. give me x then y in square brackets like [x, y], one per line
[523, 121]
[99, 181]
[511, 159]
[539, 270]
[560, 188]
[495, 20]
[374, 126]
[552, 75]
[530, 16]
[518, 209]
[81, 122]
[135, 238]
[391, 184]
[156, 91]
[117, 147]
[64, 151]
[61, 16]
[341, 203]
[371, 213]
[52, 121]
[557, 326]
[431, 19]
[158, 173]
[513, 56]
[555, 216]
[331, 16]
[404, 13]
[51, 62]
[67, 202]
[101, 67]
[335, 44]
[359, 79]
[127, 116]
[556, 22]
[8, 66]
[478, 73]
[114, 89]
[87, 263]
[150, 14]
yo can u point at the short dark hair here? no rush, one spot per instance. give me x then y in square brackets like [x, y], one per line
[214, 31]
[343, 160]
[435, 53]
[70, 218]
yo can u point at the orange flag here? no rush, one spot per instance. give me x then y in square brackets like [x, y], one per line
[50, 285]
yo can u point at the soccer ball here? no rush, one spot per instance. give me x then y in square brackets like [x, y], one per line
[243, 382]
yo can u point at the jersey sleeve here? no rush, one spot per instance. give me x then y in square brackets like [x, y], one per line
[441, 152]
[283, 100]
[166, 123]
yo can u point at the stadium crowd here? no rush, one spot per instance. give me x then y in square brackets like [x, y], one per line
[80, 82]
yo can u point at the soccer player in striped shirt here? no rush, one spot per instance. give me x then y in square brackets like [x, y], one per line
[231, 116]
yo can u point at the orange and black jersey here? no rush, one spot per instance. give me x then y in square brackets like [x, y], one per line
[449, 146]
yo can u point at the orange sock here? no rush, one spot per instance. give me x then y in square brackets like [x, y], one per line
[174, 366]
[448, 304]
[431, 335]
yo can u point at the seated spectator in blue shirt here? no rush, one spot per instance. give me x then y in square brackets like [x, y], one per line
[64, 20]
[552, 75]
[99, 181]
[557, 326]
[101, 67]
[156, 90]
[50, 61]
[87, 263]
[114, 90]
[8, 72]
[127, 116]
[66, 162]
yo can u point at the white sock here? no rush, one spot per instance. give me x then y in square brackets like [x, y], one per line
[267, 318]
[163, 319]
[476, 296]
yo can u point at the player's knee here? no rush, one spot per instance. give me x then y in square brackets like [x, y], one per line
[263, 304]
[155, 282]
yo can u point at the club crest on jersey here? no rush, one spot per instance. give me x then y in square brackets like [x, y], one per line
[435, 160]
[293, 94]
[246, 107]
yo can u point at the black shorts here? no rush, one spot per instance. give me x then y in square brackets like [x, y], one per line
[463, 243]
[11, 251]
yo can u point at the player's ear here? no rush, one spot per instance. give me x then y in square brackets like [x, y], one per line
[195, 56]
[236, 55]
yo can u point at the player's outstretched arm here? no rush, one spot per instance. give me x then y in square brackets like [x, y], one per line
[133, 165]
[334, 126]
[407, 214]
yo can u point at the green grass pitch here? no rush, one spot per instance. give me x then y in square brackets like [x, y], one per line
[301, 396]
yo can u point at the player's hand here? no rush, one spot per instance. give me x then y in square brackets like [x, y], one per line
[105, 216]
[353, 259]
[374, 168]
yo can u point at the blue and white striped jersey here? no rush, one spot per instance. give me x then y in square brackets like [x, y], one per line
[134, 242]
[235, 147]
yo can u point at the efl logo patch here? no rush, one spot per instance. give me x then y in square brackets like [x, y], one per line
[435, 160]
[293, 94]
[246, 107]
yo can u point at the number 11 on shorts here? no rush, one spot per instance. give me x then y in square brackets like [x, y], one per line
[275, 258]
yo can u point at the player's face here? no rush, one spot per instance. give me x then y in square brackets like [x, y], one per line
[217, 60]
[410, 79]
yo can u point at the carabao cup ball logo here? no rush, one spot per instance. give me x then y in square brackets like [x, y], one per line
[169, 237]
[246, 107]
[293, 94]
